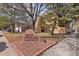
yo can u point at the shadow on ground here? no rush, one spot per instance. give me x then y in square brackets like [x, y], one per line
[3, 46]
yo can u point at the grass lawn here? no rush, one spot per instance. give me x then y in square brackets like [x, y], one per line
[13, 36]
[19, 36]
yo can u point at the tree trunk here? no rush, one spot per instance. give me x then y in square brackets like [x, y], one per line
[34, 22]
[13, 28]
[33, 26]
[13, 25]
[53, 27]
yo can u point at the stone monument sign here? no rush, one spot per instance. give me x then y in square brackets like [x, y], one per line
[30, 35]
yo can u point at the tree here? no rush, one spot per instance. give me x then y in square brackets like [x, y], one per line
[65, 12]
[50, 20]
[4, 22]
[30, 11]
[33, 11]
[7, 10]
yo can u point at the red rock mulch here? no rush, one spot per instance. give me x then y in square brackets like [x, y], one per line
[31, 48]
[29, 44]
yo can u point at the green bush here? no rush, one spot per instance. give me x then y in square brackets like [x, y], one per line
[4, 22]
[62, 21]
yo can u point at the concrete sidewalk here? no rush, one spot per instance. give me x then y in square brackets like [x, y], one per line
[60, 49]
[66, 47]
[5, 47]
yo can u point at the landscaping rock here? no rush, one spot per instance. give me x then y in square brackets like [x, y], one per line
[32, 45]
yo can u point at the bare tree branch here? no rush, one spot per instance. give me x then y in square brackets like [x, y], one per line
[26, 10]
[42, 8]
